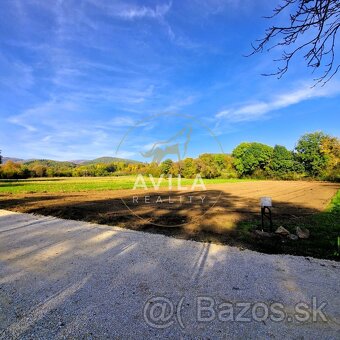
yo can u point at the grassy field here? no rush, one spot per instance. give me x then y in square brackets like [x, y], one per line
[77, 184]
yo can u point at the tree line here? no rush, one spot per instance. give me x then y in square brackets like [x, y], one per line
[316, 155]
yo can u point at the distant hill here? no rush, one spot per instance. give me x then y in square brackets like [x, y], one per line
[50, 162]
[13, 159]
[78, 161]
[107, 160]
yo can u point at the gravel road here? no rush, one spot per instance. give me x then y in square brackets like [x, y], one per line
[70, 279]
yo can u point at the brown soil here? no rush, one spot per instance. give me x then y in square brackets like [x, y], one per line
[216, 210]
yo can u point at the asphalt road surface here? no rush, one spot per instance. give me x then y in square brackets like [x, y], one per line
[70, 279]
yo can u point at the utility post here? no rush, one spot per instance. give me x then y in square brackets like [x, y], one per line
[266, 211]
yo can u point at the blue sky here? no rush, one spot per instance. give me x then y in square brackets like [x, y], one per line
[76, 75]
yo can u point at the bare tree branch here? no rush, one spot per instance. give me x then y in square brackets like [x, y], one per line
[319, 21]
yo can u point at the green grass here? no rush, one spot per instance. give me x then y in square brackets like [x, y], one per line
[325, 227]
[76, 184]
[334, 206]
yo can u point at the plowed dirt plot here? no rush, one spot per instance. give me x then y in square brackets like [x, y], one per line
[227, 213]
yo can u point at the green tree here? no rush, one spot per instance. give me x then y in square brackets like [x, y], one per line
[175, 169]
[225, 165]
[207, 167]
[166, 166]
[50, 172]
[111, 167]
[100, 170]
[330, 147]
[12, 170]
[152, 169]
[189, 168]
[39, 170]
[310, 154]
[283, 163]
[252, 156]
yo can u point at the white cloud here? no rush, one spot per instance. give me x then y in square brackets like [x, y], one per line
[54, 130]
[129, 12]
[180, 103]
[125, 154]
[46, 114]
[259, 109]
[18, 120]
[145, 147]
[132, 12]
